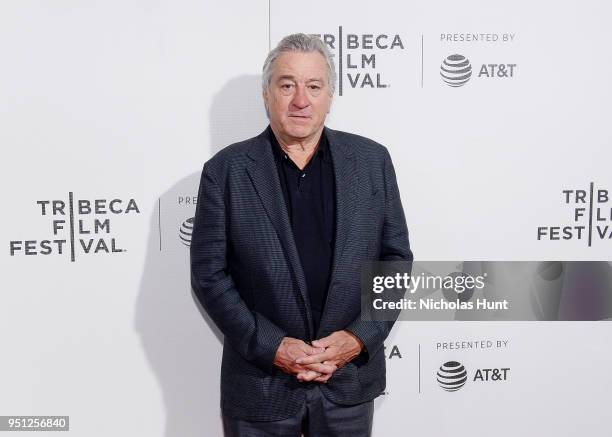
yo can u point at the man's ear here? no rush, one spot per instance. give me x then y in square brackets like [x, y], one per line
[331, 102]
[264, 95]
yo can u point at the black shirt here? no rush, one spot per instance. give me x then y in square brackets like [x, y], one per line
[310, 199]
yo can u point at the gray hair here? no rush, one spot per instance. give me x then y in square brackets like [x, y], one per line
[300, 42]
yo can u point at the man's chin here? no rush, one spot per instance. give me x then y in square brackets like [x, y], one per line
[300, 133]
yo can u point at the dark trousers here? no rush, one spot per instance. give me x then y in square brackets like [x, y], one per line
[318, 417]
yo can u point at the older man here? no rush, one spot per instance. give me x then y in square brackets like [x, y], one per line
[283, 224]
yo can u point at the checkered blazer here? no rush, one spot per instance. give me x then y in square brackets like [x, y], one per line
[246, 272]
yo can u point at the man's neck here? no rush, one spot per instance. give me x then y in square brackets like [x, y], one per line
[299, 150]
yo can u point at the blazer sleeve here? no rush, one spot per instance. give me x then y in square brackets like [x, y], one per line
[394, 247]
[254, 336]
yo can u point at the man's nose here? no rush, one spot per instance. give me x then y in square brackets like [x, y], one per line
[300, 98]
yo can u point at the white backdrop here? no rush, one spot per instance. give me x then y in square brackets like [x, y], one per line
[126, 100]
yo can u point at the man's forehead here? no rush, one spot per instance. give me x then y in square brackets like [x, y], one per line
[281, 76]
[300, 65]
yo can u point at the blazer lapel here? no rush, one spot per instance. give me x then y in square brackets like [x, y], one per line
[264, 175]
[346, 182]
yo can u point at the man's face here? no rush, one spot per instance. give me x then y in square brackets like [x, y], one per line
[298, 96]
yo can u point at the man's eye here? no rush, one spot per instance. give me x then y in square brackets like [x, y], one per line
[286, 86]
[315, 87]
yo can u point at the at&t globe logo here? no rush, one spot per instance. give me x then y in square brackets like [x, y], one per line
[452, 376]
[456, 70]
[185, 231]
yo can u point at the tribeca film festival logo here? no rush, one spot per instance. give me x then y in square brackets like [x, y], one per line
[357, 57]
[392, 352]
[456, 69]
[452, 375]
[78, 226]
[591, 217]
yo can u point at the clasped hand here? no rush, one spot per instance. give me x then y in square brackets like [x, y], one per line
[319, 361]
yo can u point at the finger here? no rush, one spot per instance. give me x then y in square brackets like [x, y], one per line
[313, 350]
[323, 378]
[322, 368]
[309, 375]
[322, 342]
[307, 349]
[316, 358]
[332, 354]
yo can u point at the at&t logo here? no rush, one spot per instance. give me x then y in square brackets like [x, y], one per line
[452, 376]
[456, 70]
[185, 231]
